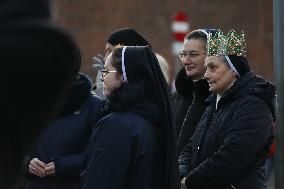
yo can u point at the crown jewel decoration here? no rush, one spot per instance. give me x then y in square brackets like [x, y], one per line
[223, 45]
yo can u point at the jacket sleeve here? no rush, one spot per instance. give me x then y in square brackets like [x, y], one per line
[185, 160]
[248, 134]
[108, 157]
[25, 167]
[68, 166]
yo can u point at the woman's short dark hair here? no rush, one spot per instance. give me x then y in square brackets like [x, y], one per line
[196, 34]
[200, 34]
[116, 59]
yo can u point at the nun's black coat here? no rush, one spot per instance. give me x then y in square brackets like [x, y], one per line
[124, 153]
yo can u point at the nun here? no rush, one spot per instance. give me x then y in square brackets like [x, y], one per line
[133, 146]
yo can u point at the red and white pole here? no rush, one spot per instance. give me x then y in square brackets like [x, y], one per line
[180, 27]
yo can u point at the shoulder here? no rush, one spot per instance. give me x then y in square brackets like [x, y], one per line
[251, 110]
[177, 98]
[92, 101]
[125, 122]
[92, 107]
[124, 118]
[116, 126]
[250, 101]
[94, 98]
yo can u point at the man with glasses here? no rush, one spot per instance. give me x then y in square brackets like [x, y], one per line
[192, 89]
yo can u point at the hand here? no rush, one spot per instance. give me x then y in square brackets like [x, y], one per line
[49, 169]
[183, 186]
[36, 167]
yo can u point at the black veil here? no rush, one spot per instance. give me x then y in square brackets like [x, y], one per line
[141, 64]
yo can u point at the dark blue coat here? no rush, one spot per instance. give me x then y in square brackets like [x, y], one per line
[230, 145]
[124, 154]
[64, 142]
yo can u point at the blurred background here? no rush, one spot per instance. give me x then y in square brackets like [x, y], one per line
[91, 22]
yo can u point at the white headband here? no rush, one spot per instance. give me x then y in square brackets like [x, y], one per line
[124, 78]
[205, 32]
[231, 65]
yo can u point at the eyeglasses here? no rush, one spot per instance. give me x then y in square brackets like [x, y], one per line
[192, 55]
[105, 72]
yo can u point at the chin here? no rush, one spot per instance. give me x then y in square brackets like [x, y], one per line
[187, 74]
[193, 75]
[106, 93]
[212, 90]
[190, 74]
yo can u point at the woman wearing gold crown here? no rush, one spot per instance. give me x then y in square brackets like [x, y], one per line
[231, 142]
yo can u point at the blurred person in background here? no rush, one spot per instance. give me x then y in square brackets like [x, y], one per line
[97, 65]
[164, 66]
[124, 36]
[38, 59]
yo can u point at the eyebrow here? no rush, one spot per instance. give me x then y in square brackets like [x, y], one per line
[190, 51]
[209, 63]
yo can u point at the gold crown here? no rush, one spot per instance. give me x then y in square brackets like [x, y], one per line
[222, 45]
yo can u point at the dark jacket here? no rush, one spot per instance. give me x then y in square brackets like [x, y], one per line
[194, 113]
[64, 141]
[190, 105]
[182, 97]
[124, 148]
[230, 145]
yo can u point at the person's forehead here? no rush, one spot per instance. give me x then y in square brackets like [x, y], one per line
[193, 45]
[108, 60]
[212, 60]
[109, 46]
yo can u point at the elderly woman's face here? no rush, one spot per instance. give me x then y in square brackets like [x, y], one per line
[218, 74]
[111, 79]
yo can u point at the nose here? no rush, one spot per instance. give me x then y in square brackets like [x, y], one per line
[186, 60]
[206, 75]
